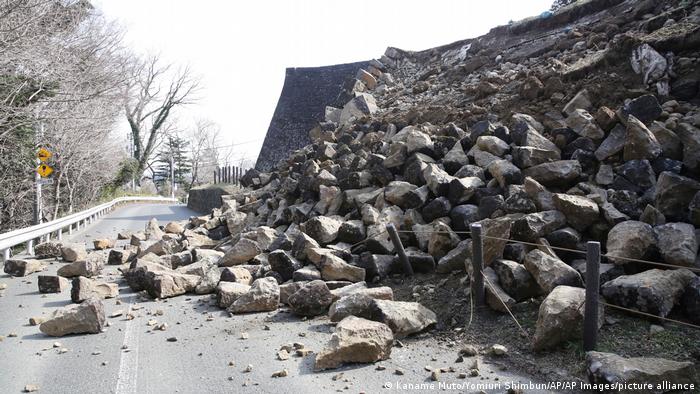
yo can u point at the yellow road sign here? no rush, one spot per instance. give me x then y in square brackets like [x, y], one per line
[44, 170]
[43, 155]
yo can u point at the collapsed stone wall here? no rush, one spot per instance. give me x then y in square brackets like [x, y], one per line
[306, 93]
[204, 199]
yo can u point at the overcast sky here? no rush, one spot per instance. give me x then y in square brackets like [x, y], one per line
[241, 48]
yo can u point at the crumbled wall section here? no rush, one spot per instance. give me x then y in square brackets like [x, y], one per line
[205, 198]
[306, 93]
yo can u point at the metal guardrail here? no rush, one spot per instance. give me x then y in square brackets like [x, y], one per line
[29, 234]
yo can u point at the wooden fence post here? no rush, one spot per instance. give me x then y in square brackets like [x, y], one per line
[590, 318]
[477, 265]
[394, 235]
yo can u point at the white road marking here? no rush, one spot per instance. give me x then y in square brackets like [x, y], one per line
[129, 360]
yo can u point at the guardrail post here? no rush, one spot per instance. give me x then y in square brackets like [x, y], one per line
[7, 254]
[477, 265]
[590, 318]
[394, 235]
[30, 247]
[59, 234]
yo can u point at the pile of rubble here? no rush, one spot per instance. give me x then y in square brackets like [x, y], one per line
[581, 125]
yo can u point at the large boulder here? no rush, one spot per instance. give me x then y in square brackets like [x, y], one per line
[159, 281]
[400, 193]
[515, 279]
[533, 226]
[283, 263]
[609, 368]
[690, 141]
[302, 244]
[263, 296]
[561, 172]
[442, 240]
[630, 239]
[235, 221]
[691, 300]
[613, 143]
[496, 233]
[640, 143]
[160, 248]
[312, 299]
[88, 317]
[73, 252]
[677, 243]
[86, 268]
[580, 211]
[654, 291]
[104, 243]
[356, 304]
[437, 179]
[584, 124]
[356, 340]
[121, 256]
[505, 173]
[243, 251]
[496, 297]
[462, 189]
[52, 284]
[674, 194]
[323, 229]
[174, 228]
[236, 274]
[404, 318]
[228, 292]
[561, 317]
[22, 267]
[457, 259]
[335, 268]
[153, 231]
[84, 288]
[49, 249]
[208, 273]
[550, 272]
[362, 104]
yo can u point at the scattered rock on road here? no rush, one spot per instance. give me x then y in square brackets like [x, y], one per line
[356, 340]
[609, 368]
[85, 318]
[23, 267]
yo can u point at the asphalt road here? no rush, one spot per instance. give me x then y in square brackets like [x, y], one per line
[132, 357]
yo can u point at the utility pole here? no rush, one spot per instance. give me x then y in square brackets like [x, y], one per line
[37, 177]
[172, 175]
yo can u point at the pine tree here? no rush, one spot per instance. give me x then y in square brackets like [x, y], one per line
[175, 148]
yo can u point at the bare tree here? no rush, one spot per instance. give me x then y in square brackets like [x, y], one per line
[150, 100]
[61, 73]
[205, 142]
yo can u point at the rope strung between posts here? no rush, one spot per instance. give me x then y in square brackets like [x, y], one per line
[369, 237]
[433, 232]
[610, 256]
[648, 314]
[651, 262]
[493, 290]
[533, 244]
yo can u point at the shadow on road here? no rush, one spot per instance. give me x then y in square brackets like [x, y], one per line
[57, 304]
